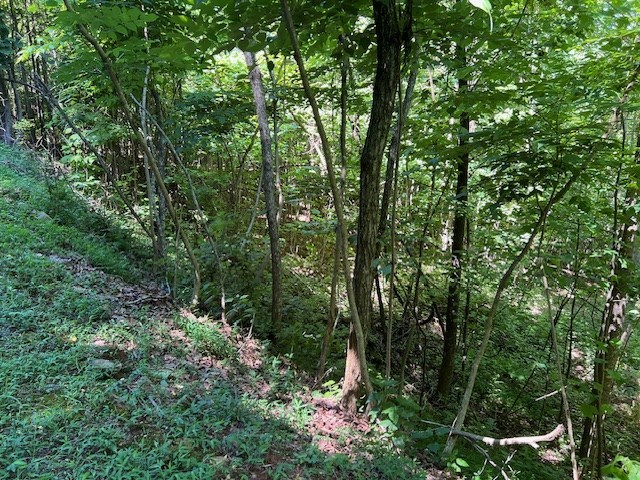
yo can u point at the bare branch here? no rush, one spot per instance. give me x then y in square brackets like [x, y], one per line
[502, 442]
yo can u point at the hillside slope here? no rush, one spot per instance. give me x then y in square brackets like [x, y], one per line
[104, 378]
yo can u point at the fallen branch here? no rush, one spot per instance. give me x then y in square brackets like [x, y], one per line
[531, 441]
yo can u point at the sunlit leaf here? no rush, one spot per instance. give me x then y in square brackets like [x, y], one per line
[485, 6]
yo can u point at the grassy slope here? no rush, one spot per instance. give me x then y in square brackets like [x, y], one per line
[100, 378]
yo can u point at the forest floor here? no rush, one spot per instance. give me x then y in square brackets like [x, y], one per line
[103, 377]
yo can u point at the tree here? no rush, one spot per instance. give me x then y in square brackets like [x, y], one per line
[269, 190]
[6, 57]
[389, 37]
[460, 221]
[615, 328]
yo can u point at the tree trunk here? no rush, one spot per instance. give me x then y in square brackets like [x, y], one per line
[445, 377]
[332, 318]
[389, 40]
[612, 327]
[7, 116]
[269, 190]
[160, 220]
[394, 151]
[356, 324]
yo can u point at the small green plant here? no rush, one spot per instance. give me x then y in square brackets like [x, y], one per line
[622, 468]
[206, 336]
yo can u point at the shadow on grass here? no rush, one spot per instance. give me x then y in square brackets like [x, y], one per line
[100, 379]
[132, 406]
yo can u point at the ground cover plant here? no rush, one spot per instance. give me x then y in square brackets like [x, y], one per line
[102, 378]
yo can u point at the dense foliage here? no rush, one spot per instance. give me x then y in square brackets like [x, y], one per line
[470, 168]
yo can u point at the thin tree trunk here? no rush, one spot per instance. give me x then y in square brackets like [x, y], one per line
[7, 115]
[506, 277]
[356, 325]
[269, 190]
[563, 391]
[12, 68]
[142, 141]
[392, 241]
[390, 181]
[276, 144]
[200, 217]
[416, 295]
[332, 317]
[613, 326]
[394, 151]
[467, 304]
[502, 285]
[162, 147]
[445, 377]
[148, 175]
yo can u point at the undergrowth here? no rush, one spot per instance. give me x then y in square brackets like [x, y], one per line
[100, 378]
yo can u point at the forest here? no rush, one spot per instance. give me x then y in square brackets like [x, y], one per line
[319, 239]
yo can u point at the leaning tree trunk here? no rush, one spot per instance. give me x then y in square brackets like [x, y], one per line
[269, 190]
[126, 109]
[491, 316]
[506, 276]
[356, 324]
[389, 40]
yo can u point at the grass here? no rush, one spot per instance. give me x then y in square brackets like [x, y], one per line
[101, 378]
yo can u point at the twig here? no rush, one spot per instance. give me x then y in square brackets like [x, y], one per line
[532, 441]
[485, 454]
[547, 395]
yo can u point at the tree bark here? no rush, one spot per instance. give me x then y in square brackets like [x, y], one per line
[269, 190]
[356, 324]
[445, 377]
[389, 41]
[613, 325]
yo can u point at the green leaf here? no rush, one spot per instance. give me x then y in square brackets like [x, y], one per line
[17, 465]
[461, 462]
[485, 6]
[588, 410]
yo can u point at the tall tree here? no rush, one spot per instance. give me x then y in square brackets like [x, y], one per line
[389, 41]
[269, 190]
[614, 328]
[460, 220]
[6, 58]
